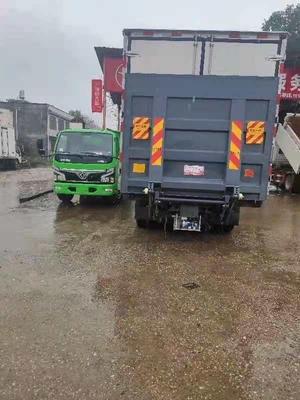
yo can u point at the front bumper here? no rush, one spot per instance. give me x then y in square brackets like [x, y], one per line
[85, 189]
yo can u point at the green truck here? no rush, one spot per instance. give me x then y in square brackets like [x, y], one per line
[86, 163]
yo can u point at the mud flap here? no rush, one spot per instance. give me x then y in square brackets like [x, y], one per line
[141, 210]
[234, 217]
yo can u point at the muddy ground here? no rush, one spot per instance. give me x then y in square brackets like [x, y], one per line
[92, 307]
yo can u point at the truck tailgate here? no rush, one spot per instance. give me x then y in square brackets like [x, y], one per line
[192, 134]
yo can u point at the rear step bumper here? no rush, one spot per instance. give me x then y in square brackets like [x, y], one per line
[189, 200]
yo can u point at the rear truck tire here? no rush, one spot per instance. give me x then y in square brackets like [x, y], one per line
[141, 212]
[288, 183]
[65, 198]
[234, 218]
[222, 229]
[116, 199]
[141, 223]
[227, 228]
[82, 200]
[229, 223]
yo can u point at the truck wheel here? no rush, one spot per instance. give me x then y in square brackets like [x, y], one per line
[117, 198]
[288, 183]
[141, 212]
[141, 223]
[227, 228]
[65, 198]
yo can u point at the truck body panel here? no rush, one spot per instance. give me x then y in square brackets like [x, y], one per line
[198, 113]
[7, 143]
[8, 151]
[203, 52]
[288, 141]
[286, 158]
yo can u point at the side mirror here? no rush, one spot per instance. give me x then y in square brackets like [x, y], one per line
[40, 147]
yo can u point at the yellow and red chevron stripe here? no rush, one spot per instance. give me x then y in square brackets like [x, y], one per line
[141, 127]
[157, 141]
[255, 132]
[235, 145]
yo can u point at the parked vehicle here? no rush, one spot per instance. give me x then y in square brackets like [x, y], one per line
[86, 163]
[286, 162]
[9, 154]
[199, 117]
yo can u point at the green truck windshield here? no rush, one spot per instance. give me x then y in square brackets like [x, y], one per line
[98, 144]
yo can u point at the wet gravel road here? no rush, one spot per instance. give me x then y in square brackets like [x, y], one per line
[93, 308]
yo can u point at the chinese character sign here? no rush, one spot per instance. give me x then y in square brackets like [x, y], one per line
[289, 84]
[97, 95]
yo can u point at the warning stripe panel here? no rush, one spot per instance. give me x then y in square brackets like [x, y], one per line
[259, 139]
[141, 128]
[256, 138]
[255, 132]
[255, 125]
[157, 141]
[235, 145]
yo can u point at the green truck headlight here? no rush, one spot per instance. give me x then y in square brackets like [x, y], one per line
[108, 176]
[58, 176]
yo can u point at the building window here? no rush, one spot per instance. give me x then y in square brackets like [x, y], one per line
[61, 124]
[52, 123]
[67, 125]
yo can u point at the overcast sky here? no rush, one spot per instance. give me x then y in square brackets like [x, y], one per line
[47, 46]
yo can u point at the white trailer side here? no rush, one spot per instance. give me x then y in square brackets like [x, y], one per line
[8, 153]
[204, 52]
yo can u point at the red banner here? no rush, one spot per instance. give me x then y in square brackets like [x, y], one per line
[113, 75]
[290, 84]
[96, 95]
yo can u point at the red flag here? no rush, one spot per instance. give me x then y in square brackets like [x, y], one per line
[113, 75]
[289, 84]
[97, 95]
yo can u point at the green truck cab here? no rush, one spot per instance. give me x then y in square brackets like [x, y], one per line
[86, 163]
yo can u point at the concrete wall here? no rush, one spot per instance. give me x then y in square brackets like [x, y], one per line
[31, 123]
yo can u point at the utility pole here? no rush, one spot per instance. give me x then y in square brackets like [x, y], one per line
[104, 109]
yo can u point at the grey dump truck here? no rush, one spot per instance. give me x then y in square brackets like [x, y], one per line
[199, 115]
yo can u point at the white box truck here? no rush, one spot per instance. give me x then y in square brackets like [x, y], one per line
[9, 156]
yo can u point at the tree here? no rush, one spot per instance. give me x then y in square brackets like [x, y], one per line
[89, 122]
[287, 20]
[76, 113]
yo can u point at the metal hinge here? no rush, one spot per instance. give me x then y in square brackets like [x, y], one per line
[276, 58]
